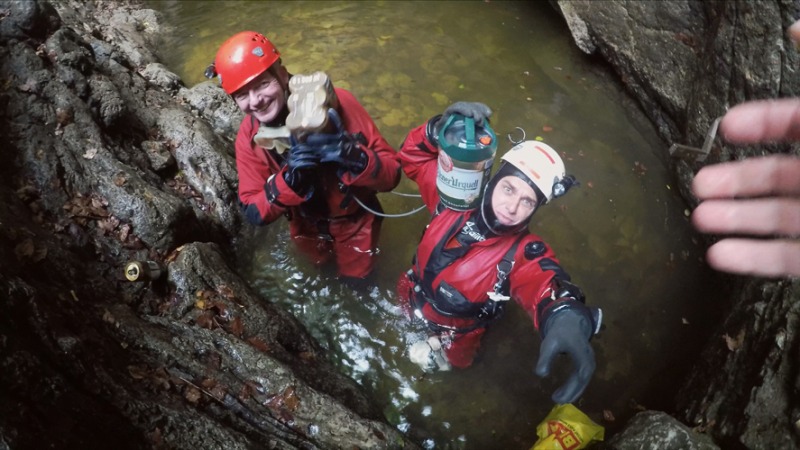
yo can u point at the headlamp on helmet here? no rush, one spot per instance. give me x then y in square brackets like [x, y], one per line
[562, 186]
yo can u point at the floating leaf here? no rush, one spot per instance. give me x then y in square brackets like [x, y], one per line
[440, 99]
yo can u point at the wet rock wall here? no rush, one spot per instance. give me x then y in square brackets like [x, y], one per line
[685, 63]
[103, 162]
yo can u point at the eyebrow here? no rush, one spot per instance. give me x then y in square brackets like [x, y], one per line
[514, 189]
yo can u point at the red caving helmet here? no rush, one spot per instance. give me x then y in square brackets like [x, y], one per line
[243, 57]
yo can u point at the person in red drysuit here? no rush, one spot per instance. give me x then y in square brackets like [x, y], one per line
[469, 263]
[317, 183]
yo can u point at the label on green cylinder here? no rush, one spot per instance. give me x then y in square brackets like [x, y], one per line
[460, 184]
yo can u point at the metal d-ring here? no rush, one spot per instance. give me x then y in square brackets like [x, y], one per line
[512, 140]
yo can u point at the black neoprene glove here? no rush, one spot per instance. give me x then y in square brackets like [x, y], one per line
[345, 151]
[341, 147]
[478, 111]
[301, 162]
[568, 332]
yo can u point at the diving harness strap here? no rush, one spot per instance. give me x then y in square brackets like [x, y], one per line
[492, 308]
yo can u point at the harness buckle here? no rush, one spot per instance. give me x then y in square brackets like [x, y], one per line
[502, 274]
[497, 296]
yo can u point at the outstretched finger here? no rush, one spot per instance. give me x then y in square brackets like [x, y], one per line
[577, 382]
[321, 139]
[752, 177]
[569, 391]
[775, 258]
[762, 121]
[547, 352]
[767, 216]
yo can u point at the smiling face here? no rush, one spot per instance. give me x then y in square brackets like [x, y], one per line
[513, 201]
[264, 96]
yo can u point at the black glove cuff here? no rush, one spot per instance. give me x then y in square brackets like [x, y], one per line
[272, 192]
[550, 310]
[299, 181]
[359, 165]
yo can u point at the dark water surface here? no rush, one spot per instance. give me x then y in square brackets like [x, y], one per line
[623, 234]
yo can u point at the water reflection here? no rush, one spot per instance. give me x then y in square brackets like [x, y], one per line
[622, 234]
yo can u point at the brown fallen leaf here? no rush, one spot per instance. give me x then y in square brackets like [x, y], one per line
[137, 372]
[290, 398]
[192, 394]
[120, 179]
[734, 343]
[259, 344]
[25, 249]
[236, 327]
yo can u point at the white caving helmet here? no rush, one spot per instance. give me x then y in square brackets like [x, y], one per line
[540, 167]
[543, 167]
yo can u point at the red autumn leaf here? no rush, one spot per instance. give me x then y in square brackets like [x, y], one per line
[206, 320]
[225, 291]
[236, 327]
[259, 344]
[290, 398]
